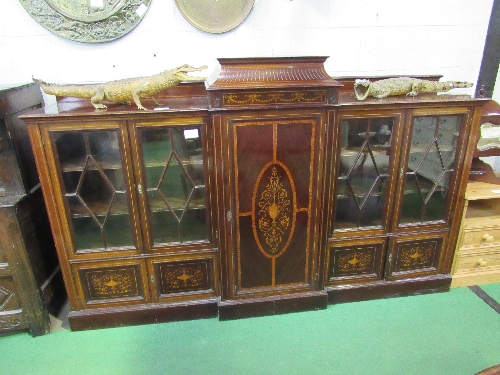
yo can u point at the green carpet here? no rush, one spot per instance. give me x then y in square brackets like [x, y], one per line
[493, 291]
[445, 333]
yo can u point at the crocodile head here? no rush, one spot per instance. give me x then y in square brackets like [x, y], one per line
[181, 73]
[361, 88]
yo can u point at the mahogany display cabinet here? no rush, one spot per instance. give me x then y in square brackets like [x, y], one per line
[270, 190]
[30, 279]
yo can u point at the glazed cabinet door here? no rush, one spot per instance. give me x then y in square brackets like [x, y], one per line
[362, 155]
[91, 178]
[364, 149]
[429, 170]
[174, 188]
[172, 169]
[271, 167]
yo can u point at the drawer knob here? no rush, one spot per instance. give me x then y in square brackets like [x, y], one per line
[488, 238]
[482, 263]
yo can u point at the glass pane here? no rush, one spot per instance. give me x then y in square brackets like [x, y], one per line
[94, 188]
[430, 168]
[364, 164]
[175, 183]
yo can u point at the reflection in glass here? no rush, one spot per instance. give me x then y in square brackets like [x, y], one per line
[175, 184]
[431, 164]
[94, 188]
[364, 164]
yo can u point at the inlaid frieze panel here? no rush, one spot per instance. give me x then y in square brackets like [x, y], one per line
[274, 97]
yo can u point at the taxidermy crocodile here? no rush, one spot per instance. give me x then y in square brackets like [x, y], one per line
[124, 90]
[403, 85]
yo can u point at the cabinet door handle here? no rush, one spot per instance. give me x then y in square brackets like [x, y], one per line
[139, 188]
[229, 216]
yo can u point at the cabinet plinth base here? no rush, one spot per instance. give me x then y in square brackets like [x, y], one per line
[141, 314]
[388, 289]
[262, 306]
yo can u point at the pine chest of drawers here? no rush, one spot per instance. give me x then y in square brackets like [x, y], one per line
[477, 259]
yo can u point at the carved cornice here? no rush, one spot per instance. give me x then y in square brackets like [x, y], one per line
[272, 81]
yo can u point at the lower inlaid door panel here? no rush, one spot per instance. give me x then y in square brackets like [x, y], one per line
[123, 282]
[182, 278]
[416, 255]
[355, 261]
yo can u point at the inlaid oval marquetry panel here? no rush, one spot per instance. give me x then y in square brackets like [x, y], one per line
[273, 209]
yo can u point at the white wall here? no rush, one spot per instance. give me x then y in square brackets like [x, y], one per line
[363, 37]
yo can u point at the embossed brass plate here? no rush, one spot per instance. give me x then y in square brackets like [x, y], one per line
[88, 21]
[215, 16]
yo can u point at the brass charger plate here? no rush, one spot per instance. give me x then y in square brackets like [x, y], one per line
[88, 21]
[215, 16]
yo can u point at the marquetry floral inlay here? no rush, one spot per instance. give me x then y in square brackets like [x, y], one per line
[108, 285]
[275, 98]
[356, 261]
[274, 212]
[185, 277]
[417, 256]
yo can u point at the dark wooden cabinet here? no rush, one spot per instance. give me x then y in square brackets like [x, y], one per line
[29, 272]
[398, 170]
[272, 173]
[270, 116]
[130, 198]
[271, 190]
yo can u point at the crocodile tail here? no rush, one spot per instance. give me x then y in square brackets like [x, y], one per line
[79, 91]
[460, 84]
[39, 82]
[434, 86]
[43, 85]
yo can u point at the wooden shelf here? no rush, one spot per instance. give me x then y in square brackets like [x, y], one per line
[156, 205]
[482, 190]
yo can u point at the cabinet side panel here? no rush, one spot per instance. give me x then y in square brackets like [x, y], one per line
[55, 223]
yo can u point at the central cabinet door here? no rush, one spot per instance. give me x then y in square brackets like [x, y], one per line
[275, 181]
